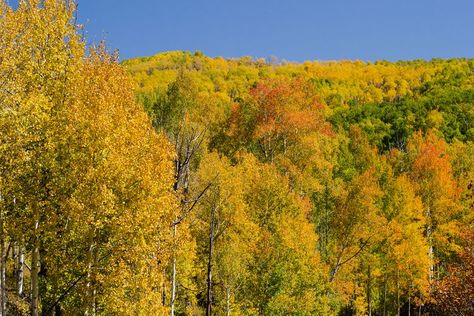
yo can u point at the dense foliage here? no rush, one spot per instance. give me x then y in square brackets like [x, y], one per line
[233, 186]
[378, 156]
[85, 182]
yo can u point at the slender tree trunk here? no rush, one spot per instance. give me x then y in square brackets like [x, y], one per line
[163, 289]
[3, 304]
[94, 281]
[430, 256]
[87, 312]
[15, 251]
[91, 308]
[35, 267]
[352, 302]
[173, 274]
[3, 297]
[385, 295]
[227, 301]
[191, 143]
[398, 292]
[209, 262]
[186, 179]
[369, 285]
[409, 306]
[21, 267]
[429, 232]
[409, 298]
[18, 262]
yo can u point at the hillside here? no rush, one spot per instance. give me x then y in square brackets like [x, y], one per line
[376, 156]
[180, 184]
[378, 96]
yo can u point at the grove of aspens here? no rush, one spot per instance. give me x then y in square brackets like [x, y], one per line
[180, 184]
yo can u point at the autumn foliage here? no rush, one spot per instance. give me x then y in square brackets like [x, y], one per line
[454, 293]
[180, 184]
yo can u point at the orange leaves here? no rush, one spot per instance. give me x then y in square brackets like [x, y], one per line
[432, 171]
[235, 121]
[431, 158]
[286, 108]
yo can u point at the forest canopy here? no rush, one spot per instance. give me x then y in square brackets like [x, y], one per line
[181, 184]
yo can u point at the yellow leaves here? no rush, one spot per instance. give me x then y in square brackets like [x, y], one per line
[86, 153]
[406, 253]
[295, 232]
[435, 119]
[266, 236]
[407, 206]
[359, 206]
[432, 171]
[75, 143]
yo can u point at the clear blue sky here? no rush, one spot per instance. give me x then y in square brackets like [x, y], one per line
[295, 30]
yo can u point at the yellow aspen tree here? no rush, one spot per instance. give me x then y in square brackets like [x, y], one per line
[288, 276]
[235, 234]
[40, 52]
[90, 179]
[406, 261]
[432, 172]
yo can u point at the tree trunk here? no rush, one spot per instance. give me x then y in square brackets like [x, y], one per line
[3, 297]
[429, 232]
[409, 298]
[385, 295]
[227, 301]
[369, 284]
[163, 288]
[20, 270]
[35, 267]
[91, 308]
[190, 143]
[173, 275]
[409, 306]
[94, 281]
[398, 293]
[18, 262]
[209, 262]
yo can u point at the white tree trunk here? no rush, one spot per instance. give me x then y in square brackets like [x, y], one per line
[3, 297]
[227, 300]
[35, 266]
[429, 233]
[173, 274]
[91, 288]
[21, 267]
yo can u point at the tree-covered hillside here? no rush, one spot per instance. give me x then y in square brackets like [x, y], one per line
[378, 156]
[180, 184]
[389, 101]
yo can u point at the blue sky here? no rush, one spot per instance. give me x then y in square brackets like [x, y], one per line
[295, 30]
